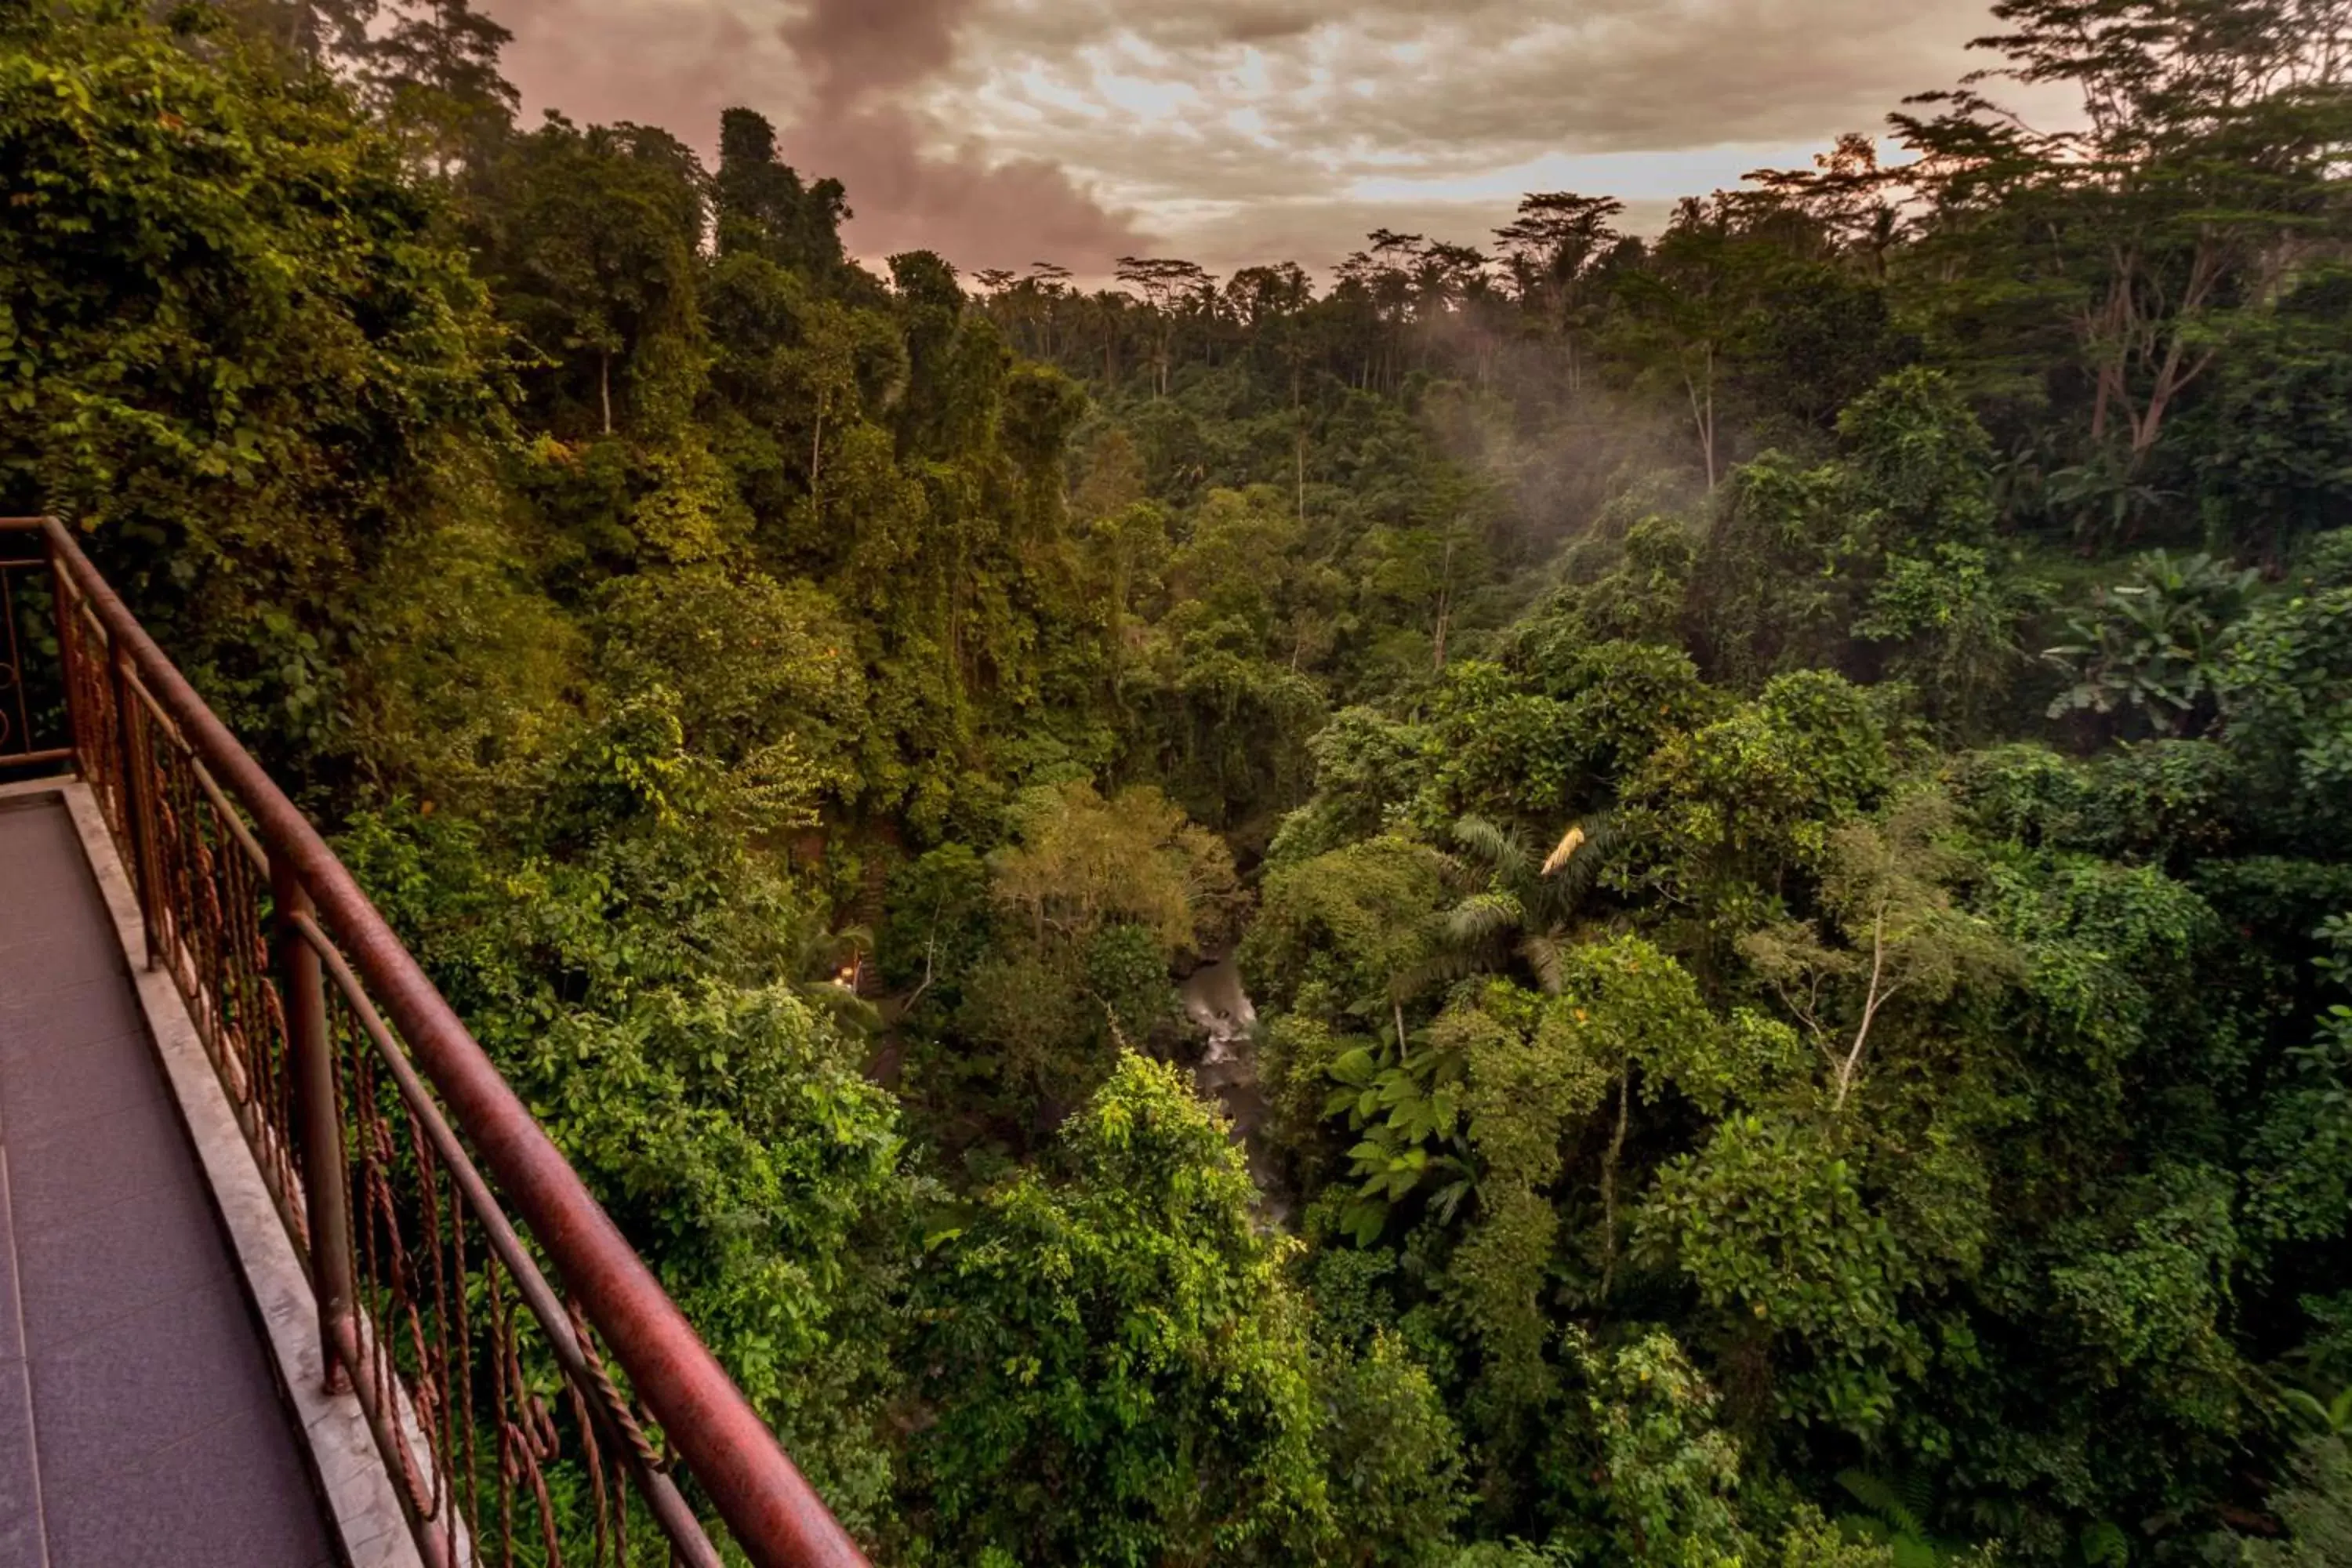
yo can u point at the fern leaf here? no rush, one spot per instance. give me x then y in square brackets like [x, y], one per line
[1504, 852]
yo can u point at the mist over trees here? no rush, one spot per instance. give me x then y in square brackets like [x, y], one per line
[1782, 789]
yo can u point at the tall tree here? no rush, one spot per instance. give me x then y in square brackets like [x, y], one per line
[1166, 285]
[2209, 170]
[763, 205]
[1551, 248]
[1692, 305]
[436, 70]
[590, 239]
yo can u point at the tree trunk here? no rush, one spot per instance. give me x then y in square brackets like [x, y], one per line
[1702, 401]
[605, 386]
[817, 454]
[1608, 1180]
[1445, 598]
[1708, 425]
[1872, 1000]
[1302, 475]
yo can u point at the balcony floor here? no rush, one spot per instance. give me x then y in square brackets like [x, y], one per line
[141, 1421]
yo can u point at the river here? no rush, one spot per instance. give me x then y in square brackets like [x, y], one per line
[1217, 1002]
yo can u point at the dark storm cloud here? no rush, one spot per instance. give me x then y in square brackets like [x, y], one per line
[669, 65]
[975, 208]
[836, 76]
[857, 47]
[999, 131]
[908, 191]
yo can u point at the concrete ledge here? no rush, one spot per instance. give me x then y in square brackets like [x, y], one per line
[351, 1477]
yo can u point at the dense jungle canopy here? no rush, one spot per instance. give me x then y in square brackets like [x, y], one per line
[1783, 788]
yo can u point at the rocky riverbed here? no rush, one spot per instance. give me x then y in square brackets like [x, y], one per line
[1218, 1003]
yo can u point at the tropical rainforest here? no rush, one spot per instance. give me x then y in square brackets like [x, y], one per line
[1781, 788]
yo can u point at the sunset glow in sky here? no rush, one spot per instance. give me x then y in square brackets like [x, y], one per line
[1004, 131]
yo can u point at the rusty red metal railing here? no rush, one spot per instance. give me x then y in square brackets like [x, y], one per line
[533, 1391]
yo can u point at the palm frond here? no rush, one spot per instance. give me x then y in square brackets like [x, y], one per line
[1563, 887]
[1571, 842]
[1880, 1497]
[847, 1009]
[1543, 957]
[1444, 966]
[1504, 853]
[1481, 917]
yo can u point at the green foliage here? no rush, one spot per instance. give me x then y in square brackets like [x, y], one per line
[1341, 928]
[1770, 1222]
[1083, 861]
[765, 207]
[2150, 643]
[1898, 933]
[1639, 600]
[237, 346]
[2280, 452]
[718, 1111]
[736, 1140]
[1403, 1102]
[594, 262]
[753, 660]
[1662, 1476]
[1521, 911]
[1953, 618]
[1894, 1516]
[1626, 700]
[2158, 1290]
[1118, 1370]
[2316, 1512]
[1366, 768]
[1126, 972]
[1813, 1542]
[1718, 820]
[1794, 545]
[938, 923]
[2282, 696]
[1921, 459]
[1501, 750]
[1395, 1459]
[2302, 1180]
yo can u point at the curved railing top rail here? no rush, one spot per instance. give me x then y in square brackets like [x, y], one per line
[768, 1506]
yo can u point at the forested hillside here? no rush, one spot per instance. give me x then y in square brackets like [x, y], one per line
[1782, 789]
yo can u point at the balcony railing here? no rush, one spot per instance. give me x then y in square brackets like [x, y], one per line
[533, 1391]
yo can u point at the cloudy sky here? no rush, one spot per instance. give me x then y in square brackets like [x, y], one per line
[1004, 131]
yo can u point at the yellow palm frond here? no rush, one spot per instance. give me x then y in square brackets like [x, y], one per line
[1569, 844]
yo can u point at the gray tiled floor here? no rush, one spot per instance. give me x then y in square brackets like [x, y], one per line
[139, 1424]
